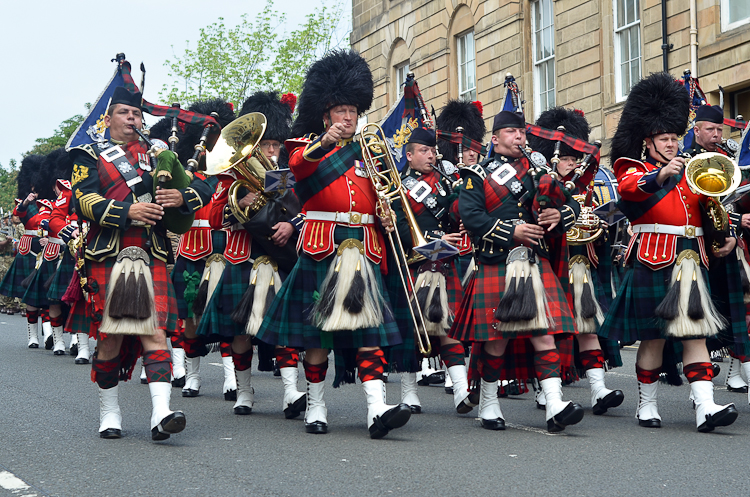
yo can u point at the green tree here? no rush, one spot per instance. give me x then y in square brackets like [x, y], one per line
[235, 62]
[58, 139]
[8, 185]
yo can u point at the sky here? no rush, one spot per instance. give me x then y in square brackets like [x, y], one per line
[56, 55]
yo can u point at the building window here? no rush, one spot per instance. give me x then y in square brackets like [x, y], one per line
[544, 55]
[627, 46]
[467, 80]
[401, 71]
[734, 13]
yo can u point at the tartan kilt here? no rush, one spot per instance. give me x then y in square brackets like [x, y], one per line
[35, 294]
[631, 316]
[61, 280]
[727, 295]
[288, 323]
[181, 265]
[216, 323]
[21, 267]
[81, 317]
[475, 321]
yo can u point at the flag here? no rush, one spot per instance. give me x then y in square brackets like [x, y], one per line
[512, 102]
[743, 158]
[697, 98]
[279, 180]
[92, 128]
[401, 120]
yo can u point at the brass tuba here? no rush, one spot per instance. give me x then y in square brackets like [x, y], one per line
[387, 185]
[588, 227]
[714, 175]
[238, 148]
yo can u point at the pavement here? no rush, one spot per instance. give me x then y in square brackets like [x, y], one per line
[49, 444]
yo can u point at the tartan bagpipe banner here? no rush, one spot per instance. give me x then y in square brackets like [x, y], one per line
[468, 143]
[575, 143]
[401, 120]
[92, 129]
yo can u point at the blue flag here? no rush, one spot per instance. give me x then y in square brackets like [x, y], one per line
[697, 99]
[92, 128]
[397, 129]
[743, 159]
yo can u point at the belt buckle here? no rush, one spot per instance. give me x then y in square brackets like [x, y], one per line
[355, 218]
[690, 231]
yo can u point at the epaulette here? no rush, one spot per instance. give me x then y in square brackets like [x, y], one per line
[294, 143]
[476, 169]
[89, 148]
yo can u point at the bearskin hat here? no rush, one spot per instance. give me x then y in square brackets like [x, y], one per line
[61, 165]
[460, 113]
[341, 77]
[656, 104]
[28, 174]
[575, 125]
[190, 134]
[161, 130]
[278, 114]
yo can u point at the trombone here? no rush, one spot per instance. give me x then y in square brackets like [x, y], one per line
[387, 185]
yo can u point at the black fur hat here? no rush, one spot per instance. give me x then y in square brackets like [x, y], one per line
[61, 165]
[341, 77]
[278, 114]
[460, 113]
[190, 134]
[161, 130]
[575, 125]
[28, 174]
[656, 104]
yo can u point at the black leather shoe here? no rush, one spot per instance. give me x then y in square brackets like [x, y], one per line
[465, 406]
[179, 383]
[416, 409]
[231, 395]
[295, 409]
[81, 360]
[493, 424]
[650, 423]
[189, 392]
[612, 399]
[276, 369]
[59, 352]
[33, 345]
[571, 415]
[110, 433]
[74, 349]
[433, 379]
[449, 390]
[243, 410]
[316, 428]
[390, 420]
[144, 381]
[174, 423]
[541, 406]
[737, 389]
[48, 343]
[725, 417]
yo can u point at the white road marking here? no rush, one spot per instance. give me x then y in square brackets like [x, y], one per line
[534, 430]
[11, 482]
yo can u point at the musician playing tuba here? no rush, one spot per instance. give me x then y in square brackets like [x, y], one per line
[334, 298]
[589, 264]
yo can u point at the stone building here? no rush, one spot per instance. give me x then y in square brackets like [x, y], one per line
[584, 54]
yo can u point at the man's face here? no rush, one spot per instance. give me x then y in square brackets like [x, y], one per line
[566, 165]
[270, 148]
[121, 122]
[663, 147]
[344, 114]
[421, 158]
[470, 157]
[505, 141]
[708, 135]
[16, 219]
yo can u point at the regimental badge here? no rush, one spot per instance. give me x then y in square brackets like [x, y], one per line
[124, 167]
[516, 187]
[219, 189]
[503, 174]
[80, 173]
[419, 191]
[449, 168]
[430, 202]
[469, 184]
[494, 165]
[144, 162]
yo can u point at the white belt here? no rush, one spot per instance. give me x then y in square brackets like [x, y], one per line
[31, 232]
[688, 231]
[350, 218]
[201, 223]
[74, 224]
[58, 241]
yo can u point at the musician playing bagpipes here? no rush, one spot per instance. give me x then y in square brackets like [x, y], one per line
[130, 302]
[198, 245]
[432, 196]
[260, 244]
[664, 294]
[516, 306]
[589, 260]
[334, 298]
[728, 278]
[29, 247]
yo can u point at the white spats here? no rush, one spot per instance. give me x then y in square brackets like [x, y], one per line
[734, 380]
[293, 402]
[192, 377]
[316, 412]
[58, 347]
[409, 391]
[245, 392]
[230, 381]
[708, 414]
[460, 388]
[33, 335]
[489, 405]
[178, 363]
[110, 417]
[646, 413]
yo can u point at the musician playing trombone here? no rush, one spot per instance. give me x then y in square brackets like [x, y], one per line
[334, 298]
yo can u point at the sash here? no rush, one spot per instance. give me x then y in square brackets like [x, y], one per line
[634, 210]
[505, 177]
[118, 158]
[423, 195]
[329, 170]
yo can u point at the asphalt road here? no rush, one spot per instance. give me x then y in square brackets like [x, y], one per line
[49, 443]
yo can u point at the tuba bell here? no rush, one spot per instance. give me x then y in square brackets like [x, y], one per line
[238, 148]
[714, 175]
[588, 226]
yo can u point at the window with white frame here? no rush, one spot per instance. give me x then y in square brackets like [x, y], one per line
[401, 71]
[544, 55]
[734, 13]
[627, 46]
[467, 80]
